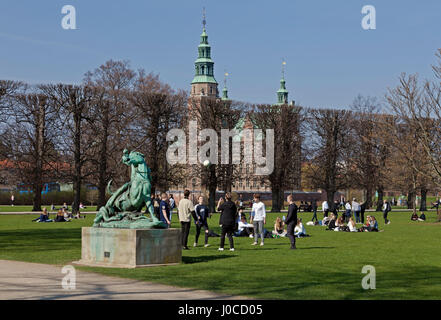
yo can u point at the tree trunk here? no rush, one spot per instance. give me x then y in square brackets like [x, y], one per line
[410, 200]
[277, 199]
[77, 163]
[212, 186]
[369, 194]
[380, 199]
[102, 165]
[39, 152]
[330, 199]
[423, 205]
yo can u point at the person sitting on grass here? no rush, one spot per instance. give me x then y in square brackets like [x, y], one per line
[422, 217]
[351, 225]
[279, 228]
[78, 216]
[299, 230]
[44, 216]
[67, 216]
[245, 229]
[333, 222]
[325, 221]
[371, 225]
[340, 224]
[414, 217]
[60, 217]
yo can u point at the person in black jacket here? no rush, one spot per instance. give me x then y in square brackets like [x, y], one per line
[363, 209]
[227, 220]
[291, 221]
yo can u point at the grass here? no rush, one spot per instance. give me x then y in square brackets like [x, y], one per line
[326, 265]
[4, 208]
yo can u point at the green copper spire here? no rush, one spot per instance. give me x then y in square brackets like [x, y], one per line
[204, 66]
[282, 93]
[225, 90]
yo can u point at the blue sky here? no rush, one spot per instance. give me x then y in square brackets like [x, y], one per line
[330, 58]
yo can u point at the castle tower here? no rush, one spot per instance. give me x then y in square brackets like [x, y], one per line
[225, 89]
[282, 93]
[204, 83]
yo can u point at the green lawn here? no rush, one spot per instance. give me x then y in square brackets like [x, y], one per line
[326, 265]
[4, 208]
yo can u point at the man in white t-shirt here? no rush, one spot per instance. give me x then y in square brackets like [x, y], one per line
[356, 208]
[325, 208]
[259, 219]
[348, 209]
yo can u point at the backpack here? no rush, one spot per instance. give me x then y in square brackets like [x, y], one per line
[389, 208]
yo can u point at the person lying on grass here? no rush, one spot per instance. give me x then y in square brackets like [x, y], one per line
[44, 217]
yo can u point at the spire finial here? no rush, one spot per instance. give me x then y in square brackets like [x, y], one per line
[225, 90]
[283, 68]
[225, 78]
[204, 21]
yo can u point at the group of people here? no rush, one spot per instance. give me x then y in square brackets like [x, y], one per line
[233, 221]
[354, 210]
[336, 223]
[63, 215]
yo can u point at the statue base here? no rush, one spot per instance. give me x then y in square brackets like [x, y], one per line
[130, 248]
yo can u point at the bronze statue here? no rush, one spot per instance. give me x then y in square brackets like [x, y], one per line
[123, 209]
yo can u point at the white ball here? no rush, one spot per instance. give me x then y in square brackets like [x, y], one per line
[207, 163]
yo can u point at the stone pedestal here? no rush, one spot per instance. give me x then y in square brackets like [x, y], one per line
[130, 248]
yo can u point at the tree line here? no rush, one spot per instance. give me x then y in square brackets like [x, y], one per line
[76, 133]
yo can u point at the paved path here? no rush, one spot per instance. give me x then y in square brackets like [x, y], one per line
[29, 281]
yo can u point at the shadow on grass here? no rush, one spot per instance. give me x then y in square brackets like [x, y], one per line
[199, 259]
[39, 239]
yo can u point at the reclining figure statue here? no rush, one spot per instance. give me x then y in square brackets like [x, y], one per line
[123, 209]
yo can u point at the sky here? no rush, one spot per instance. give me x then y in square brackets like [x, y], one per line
[330, 58]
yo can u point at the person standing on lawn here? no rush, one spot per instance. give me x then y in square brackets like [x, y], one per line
[258, 219]
[348, 211]
[291, 221]
[202, 213]
[164, 214]
[227, 220]
[325, 208]
[356, 208]
[185, 211]
[386, 208]
[314, 210]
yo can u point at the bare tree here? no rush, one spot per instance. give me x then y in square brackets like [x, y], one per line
[73, 105]
[157, 109]
[368, 152]
[30, 137]
[216, 114]
[329, 144]
[285, 120]
[110, 84]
